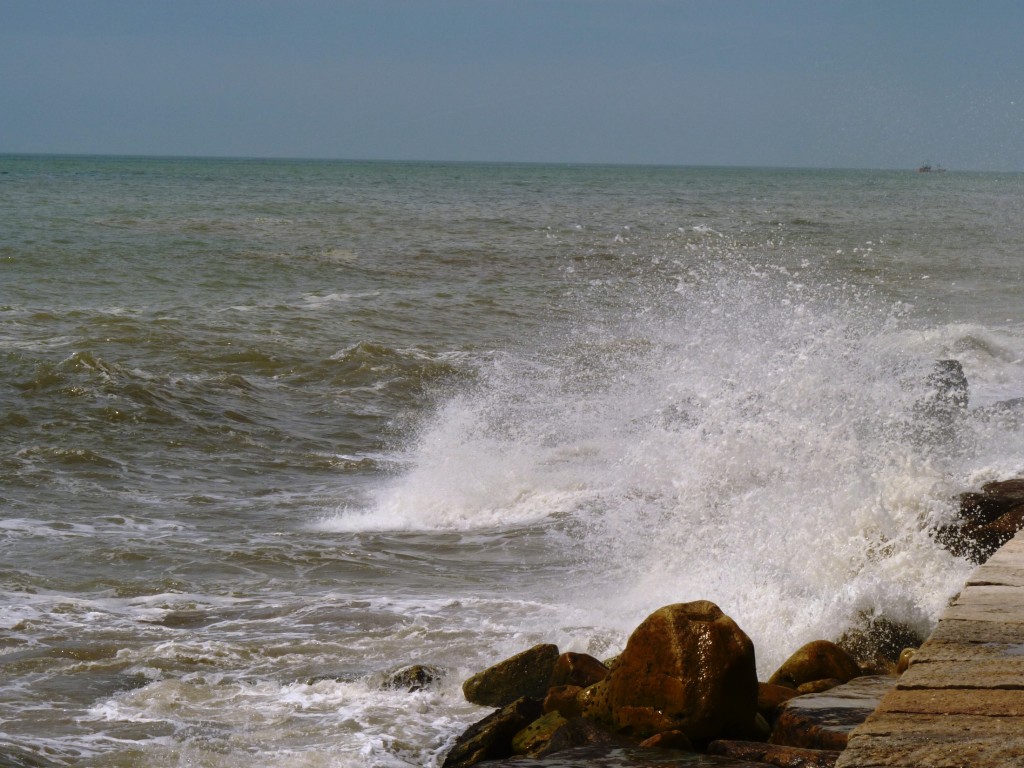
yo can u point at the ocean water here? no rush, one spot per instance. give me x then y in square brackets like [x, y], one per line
[270, 430]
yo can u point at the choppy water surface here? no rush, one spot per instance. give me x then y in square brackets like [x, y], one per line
[270, 430]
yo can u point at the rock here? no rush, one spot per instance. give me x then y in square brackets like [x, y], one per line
[944, 402]
[491, 738]
[818, 660]
[412, 678]
[687, 667]
[949, 386]
[824, 720]
[905, 660]
[876, 643]
[986, 539]
[759, 730]
[525, 674]
[817, 686]
[537, 734]
[986, 521]
[593, 703]
[995, 499]
[577, 669]
[614, 756]
[773, 754]
[569, 734]
[769, 697]
[668, 740]
[562, 699]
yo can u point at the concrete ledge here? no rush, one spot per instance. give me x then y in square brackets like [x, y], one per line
[961, 702]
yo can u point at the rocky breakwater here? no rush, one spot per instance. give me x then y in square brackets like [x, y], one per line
[684, 688]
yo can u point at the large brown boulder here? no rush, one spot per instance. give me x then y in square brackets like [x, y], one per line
[688, 667]
[818, 660]
[525, 674]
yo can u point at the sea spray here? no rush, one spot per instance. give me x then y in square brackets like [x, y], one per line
[749, 437]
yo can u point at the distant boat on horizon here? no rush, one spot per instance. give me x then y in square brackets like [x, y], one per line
[929, 168]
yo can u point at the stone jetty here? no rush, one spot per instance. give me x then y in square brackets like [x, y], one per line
[961, 701]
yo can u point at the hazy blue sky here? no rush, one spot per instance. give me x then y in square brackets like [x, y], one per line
[745, 82]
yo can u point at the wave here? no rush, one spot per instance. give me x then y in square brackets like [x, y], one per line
[752, 437]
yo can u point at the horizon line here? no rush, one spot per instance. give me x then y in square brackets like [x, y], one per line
[550, 163]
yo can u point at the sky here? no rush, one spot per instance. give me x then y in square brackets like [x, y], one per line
[822, 83]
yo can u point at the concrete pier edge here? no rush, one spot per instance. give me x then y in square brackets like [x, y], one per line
[961, 702]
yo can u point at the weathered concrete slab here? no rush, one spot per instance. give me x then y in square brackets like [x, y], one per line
[989, 594]
[987, 611]
[978, 632]
[996, 574]
[961, 702]
[967, 673]
[954, 701]
[929, 741]
[936, 651]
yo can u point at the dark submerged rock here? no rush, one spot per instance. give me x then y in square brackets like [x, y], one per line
[525, 674]
[412, 678]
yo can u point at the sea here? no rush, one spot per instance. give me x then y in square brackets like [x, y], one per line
[271, 430]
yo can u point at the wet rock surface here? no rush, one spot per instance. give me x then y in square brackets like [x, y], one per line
[491, 738]
[415, 677]
[987, 520]
[577, 669]
[825, 720]
[818, 660]
[772, 754]
[525, 674]
[626, 757]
